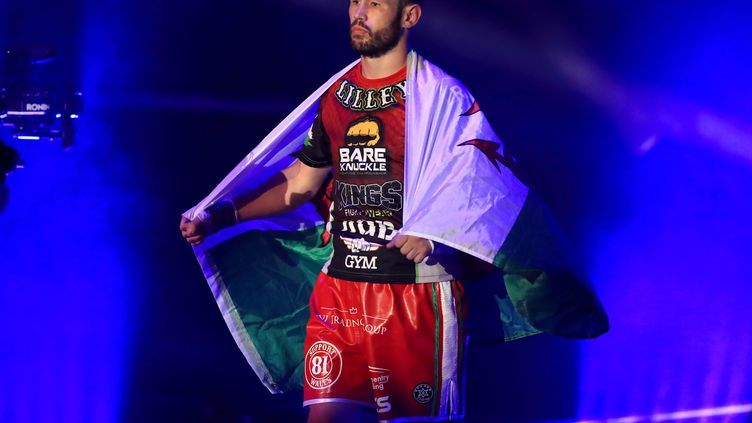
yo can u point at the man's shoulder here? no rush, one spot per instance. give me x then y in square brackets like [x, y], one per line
[437, 80]
[330, 93]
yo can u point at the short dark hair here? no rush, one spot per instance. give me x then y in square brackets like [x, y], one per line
[404, 3]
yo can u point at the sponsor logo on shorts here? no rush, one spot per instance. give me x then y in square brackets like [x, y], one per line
[323, 365]
[368, 324]
[382, 404]
[381, 378]
[351, 310]
[423, 393]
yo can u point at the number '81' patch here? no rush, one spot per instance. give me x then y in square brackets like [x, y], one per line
[323, 365]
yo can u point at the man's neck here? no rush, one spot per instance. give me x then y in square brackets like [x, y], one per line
[388, 64]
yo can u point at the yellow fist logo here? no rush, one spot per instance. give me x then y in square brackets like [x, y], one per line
[364, 132]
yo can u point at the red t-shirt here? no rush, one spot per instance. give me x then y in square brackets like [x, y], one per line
[359, 130]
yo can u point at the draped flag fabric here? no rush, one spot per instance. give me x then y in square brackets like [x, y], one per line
[459, 191]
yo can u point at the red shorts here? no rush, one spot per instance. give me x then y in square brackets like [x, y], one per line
[396, 348]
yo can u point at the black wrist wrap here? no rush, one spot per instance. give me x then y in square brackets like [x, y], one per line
[221, 215]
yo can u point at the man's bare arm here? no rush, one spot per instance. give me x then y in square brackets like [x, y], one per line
[283, 192]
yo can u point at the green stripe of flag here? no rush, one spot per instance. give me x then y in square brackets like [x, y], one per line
[278, 265]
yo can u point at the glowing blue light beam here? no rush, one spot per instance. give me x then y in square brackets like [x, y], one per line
[728, 410]
[65, 300]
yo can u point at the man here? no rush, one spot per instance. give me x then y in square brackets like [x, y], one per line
[9, 161]
[385, 335]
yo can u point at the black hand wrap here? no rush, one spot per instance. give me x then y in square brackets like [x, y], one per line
[219, 216]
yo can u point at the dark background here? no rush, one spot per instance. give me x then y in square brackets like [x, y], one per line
[630, 118]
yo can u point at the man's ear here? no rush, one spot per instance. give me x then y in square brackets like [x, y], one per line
[411, 15]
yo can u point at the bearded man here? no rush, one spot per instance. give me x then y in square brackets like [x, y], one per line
[404, 167]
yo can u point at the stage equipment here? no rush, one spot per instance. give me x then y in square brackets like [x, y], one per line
[34, 105]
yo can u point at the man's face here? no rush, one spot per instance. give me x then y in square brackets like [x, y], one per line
[375, 26]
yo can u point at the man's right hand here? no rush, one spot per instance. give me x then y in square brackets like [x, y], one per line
[194, 231]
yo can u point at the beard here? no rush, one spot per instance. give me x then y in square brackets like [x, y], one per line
[381, 42]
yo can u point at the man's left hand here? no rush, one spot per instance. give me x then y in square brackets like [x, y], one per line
[412, 247]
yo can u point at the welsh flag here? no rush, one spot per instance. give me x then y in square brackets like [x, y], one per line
[459, 191]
